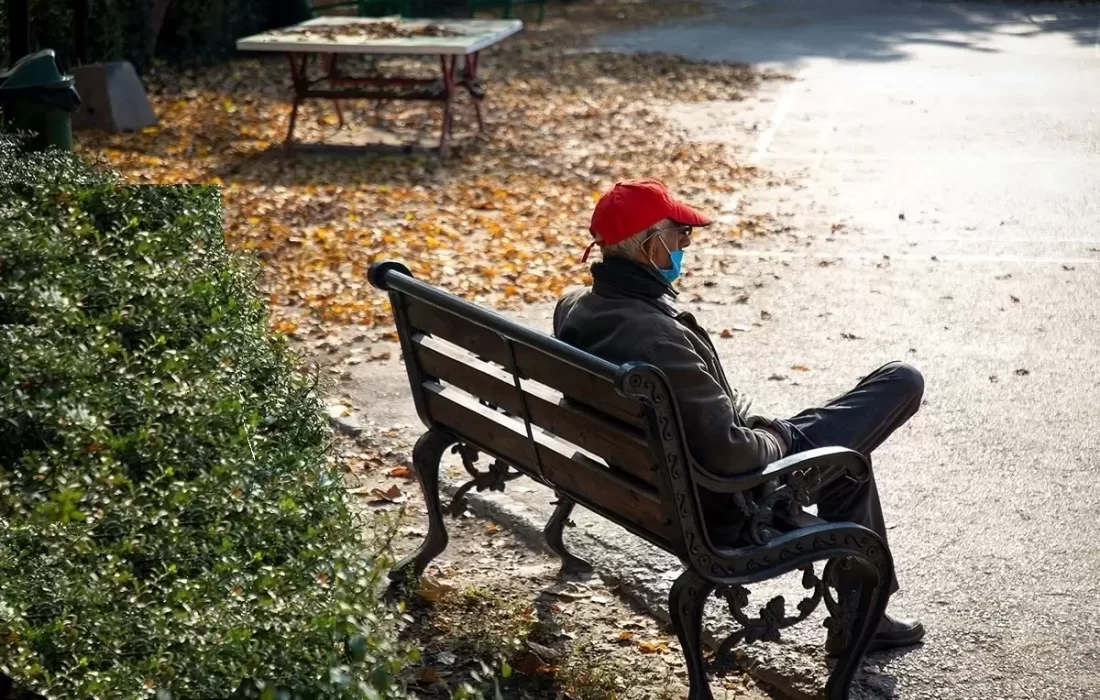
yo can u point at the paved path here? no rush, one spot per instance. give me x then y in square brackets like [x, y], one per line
[945, 211]
[958, 145]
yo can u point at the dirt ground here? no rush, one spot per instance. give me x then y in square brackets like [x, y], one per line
[494, 615]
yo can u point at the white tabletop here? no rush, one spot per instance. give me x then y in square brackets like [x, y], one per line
[476, 34]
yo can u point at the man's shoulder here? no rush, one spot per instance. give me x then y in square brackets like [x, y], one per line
[622, 328]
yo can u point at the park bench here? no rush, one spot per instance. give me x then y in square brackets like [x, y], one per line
[609, 437]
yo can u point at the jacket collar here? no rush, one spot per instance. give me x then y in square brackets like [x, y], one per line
[622, 278]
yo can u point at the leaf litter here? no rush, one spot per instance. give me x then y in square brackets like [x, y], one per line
[500, 222]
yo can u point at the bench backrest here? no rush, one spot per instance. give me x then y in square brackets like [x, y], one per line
[560, 415]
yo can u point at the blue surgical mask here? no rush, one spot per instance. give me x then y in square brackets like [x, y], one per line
[670, 274]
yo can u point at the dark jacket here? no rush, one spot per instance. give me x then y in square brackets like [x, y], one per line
[628, 316]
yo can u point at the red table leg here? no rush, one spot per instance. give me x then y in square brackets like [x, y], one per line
[477, 93]
[332, 77]
[448, 63]
[298, 78]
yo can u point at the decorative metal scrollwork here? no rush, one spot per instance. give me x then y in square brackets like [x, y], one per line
[773, 617]
[842, 609]
[494, 479]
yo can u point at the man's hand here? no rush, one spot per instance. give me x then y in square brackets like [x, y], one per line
[784, 448]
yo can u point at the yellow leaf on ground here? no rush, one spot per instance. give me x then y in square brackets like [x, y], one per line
[432, 590]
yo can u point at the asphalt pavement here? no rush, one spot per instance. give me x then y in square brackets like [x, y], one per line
[941, 207]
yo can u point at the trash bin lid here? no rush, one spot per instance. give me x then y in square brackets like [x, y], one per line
[36, 70]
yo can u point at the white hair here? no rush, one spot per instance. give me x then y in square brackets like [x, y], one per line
[632, 247]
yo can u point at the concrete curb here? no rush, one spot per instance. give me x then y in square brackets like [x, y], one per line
[785, 667]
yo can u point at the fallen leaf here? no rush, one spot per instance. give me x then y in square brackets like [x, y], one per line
[777, 378]
[528, 664]
[742, 299]
[1068, 267]
[392, 494]
[626, 636]
[800, 368]
[400, 472]
[432, 590]
[446, 658]
[544, 652]
[1022, 372]
[765, 315]
[1014, 298]
[428, 675]
[652, 647]
[726, 333]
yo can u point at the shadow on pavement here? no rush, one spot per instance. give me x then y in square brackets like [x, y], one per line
[790, 31]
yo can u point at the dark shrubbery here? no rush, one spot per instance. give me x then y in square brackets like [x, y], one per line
[194, 30]
[184, 31]
[169, 525]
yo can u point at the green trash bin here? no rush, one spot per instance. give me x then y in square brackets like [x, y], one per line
[36, 97]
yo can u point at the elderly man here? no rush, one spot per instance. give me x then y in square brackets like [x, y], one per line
[628, 315]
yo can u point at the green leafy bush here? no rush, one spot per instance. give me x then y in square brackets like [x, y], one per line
[169, 523]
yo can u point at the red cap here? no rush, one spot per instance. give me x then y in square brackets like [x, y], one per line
[632, 206]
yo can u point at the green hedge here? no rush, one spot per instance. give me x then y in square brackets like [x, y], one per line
[169, 523]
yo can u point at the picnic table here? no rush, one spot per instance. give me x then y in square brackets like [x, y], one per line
[332, 37]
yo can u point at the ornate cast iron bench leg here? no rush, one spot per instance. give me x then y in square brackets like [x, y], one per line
[859, 621]
[570, 563]
[860, 559]
[685, 605]
[427, 455]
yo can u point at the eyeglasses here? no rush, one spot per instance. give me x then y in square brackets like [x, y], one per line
[676, 230]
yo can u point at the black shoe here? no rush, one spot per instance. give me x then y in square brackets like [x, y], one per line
[892, 633]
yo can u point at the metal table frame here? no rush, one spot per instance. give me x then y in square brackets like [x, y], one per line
[334, 85]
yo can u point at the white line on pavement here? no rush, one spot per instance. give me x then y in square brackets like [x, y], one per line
[856, 238]
[764, 141]
[898, 257]
[952, 159]
[829, 126]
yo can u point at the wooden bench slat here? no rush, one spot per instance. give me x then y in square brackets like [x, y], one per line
[578, 385]
[624, 500]
[621, 446]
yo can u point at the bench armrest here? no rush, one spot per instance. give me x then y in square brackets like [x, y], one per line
[837, 460]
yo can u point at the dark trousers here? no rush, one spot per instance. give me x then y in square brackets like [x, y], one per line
[861, 420]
